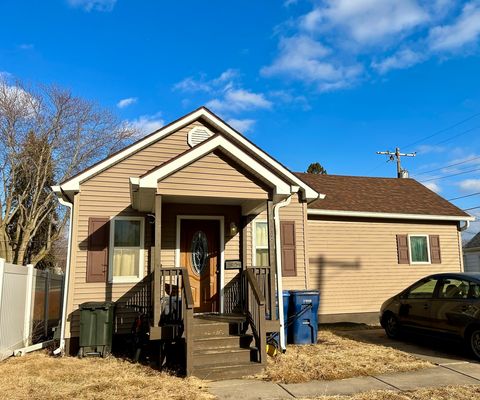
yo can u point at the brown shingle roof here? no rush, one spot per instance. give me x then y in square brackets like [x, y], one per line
[382, 195]
[474, 243]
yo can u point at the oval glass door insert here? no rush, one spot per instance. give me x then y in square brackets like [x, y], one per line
[199, 252]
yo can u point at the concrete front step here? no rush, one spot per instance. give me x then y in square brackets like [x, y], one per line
[232, 371]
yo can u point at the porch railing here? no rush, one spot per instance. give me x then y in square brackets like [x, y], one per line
[265, 279]
[255, 310]
[176, 307]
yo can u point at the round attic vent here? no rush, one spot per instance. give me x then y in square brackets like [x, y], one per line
[198, 135]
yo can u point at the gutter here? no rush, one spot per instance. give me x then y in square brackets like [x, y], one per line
[370, 214]
[281, 317]
[61, 349]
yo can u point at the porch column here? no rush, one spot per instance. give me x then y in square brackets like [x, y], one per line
[157, 260]
[271, 256]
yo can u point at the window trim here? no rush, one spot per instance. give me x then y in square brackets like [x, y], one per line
[141, 247]
[410, 235]
[254, 240]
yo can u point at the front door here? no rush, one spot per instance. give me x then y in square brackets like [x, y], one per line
[200, 254]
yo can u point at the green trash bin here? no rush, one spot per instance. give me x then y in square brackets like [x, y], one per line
[96, 328]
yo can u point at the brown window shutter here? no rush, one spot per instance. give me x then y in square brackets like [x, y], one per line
[97, 254]
[435, 255]
[289, 256]
[402, 249]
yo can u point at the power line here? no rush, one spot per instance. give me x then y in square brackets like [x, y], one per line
[462, 197]
[457, 135]
[448, 166]
[448, 176]
[471, 208]
[442, 130]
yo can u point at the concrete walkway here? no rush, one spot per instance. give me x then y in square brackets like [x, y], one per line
[452, 367]
[462, 373]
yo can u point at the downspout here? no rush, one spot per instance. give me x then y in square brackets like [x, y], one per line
[464, 227]
[278, 251]
[61, 349]
[460, 246]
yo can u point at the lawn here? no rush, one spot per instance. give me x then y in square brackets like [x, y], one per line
[40, 376]
[442, 393]
[336, 356]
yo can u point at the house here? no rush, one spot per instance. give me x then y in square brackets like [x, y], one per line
[201, 229]
[471, 254]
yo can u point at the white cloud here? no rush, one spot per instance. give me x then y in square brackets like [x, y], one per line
[146, 124]
[241, 125]
[433, 186]
[470, 185]
[465, 30]
[94, 5]
[367, 21]
[341, 42]
[303, 58]
[123, 103]
[405, 58]
[224, 81]
[236, 100]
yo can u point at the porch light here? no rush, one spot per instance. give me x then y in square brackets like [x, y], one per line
[233, 229]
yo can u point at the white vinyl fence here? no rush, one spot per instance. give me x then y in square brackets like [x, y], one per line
[30, 306]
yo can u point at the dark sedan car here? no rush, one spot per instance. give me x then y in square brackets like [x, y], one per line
[445, 304]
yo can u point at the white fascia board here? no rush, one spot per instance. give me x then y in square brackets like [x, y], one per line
[369, 214]
[150, 180]
[310, 194]
[74, 183]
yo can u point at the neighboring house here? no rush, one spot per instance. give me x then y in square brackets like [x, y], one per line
[471, 254]
[195, 218]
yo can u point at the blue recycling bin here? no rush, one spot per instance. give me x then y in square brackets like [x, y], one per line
[304, 309]
[286, 315]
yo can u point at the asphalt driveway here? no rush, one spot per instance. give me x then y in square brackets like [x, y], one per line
[437, 351]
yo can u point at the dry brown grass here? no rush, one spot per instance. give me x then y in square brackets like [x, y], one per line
[443, 393]
[336, 357]
[39, 376]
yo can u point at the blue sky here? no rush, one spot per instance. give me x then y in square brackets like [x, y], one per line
[332, 81]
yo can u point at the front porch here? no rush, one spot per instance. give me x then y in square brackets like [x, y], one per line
[243, 306]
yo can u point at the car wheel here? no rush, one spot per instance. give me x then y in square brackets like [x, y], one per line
[391, 326]
[474, 342]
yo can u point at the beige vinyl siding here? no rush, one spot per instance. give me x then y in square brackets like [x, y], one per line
[295, 211]
[354, 263]
[211, 176]
[107, 194]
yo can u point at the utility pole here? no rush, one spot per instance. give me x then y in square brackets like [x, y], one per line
[401, 173]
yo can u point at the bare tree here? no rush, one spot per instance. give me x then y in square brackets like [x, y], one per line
[46, 136]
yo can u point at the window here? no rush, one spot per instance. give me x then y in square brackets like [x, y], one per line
[260, 244]
[457, 289]
[419, 249]
[423, 290]
[126, 242]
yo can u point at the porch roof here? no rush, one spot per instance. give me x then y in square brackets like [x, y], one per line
[144, 187]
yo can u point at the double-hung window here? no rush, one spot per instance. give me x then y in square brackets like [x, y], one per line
[126, 244]
[260, 243]
[419, 249]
